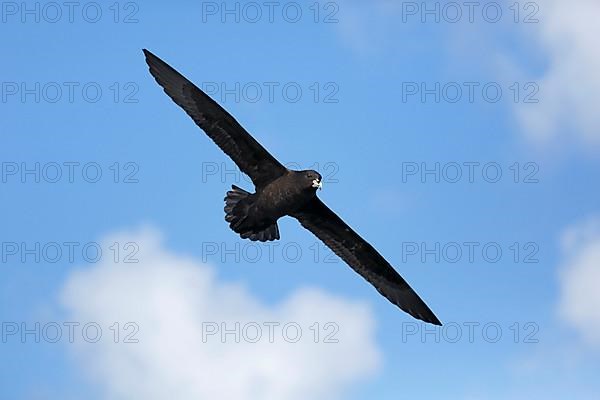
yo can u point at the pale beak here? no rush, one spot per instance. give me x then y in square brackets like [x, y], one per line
[317, 184]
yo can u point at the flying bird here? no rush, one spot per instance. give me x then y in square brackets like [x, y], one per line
[282, 192]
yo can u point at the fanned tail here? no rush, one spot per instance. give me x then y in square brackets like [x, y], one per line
[237, 203]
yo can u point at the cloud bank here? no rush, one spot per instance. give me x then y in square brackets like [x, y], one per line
[184, 311]
[567, 34]
[579, 304]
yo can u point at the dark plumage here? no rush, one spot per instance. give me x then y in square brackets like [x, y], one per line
[281, 192]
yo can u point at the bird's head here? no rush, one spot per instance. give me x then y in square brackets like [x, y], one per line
[313, 179]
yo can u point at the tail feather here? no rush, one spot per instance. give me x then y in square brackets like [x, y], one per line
[270, 233]
[237, 204]
[235, 208]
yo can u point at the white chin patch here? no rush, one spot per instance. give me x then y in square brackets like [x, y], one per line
[317, 184]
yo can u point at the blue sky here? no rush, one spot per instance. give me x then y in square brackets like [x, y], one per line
[358, 120]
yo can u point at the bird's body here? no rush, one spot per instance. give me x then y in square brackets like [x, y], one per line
[282, 192]
[284, 195]
[254, 215]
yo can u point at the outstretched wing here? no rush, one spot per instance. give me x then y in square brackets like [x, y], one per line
[363, 258]
[252, 158]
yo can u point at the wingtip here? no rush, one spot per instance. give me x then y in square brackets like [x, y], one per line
[429, 319]
[424, 314]
[432, 319]
[148, 54]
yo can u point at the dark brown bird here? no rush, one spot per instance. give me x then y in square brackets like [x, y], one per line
[281, 192]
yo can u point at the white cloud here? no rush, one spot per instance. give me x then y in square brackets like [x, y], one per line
[171, 298]
[568, 88]
[569, 95]
[579, 304]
